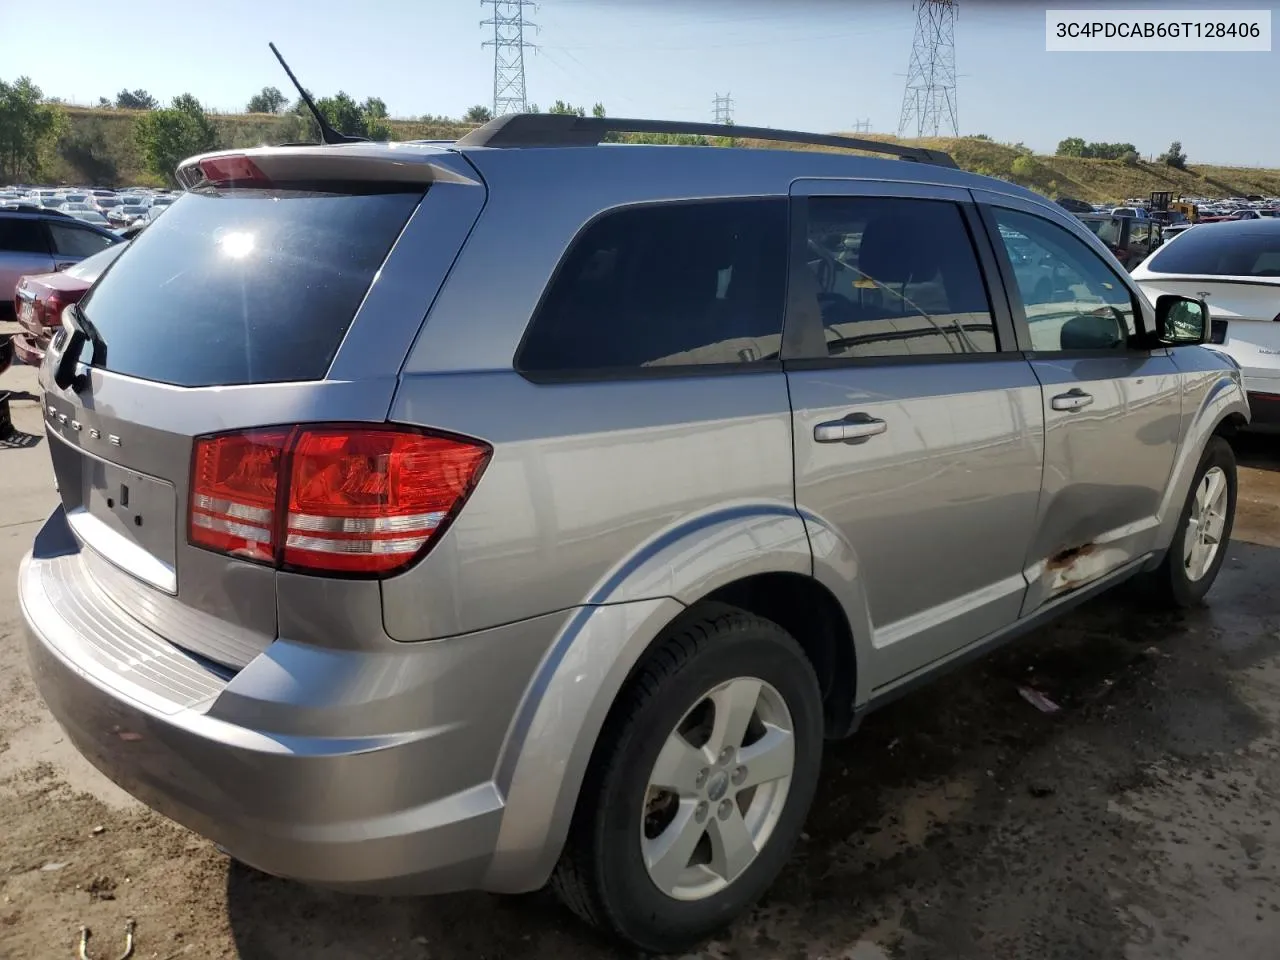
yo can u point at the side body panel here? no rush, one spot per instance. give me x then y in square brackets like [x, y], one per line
[584, 476]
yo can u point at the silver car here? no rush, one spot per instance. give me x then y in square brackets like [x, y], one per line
[394, 562]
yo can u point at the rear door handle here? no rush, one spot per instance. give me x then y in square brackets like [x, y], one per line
[1071, 400]
[855, 428]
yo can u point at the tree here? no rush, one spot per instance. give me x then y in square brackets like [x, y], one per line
[598, 110]
[1023, 167]
[269, 100]
[87, 150]
[1174, 157]
[343, 114]
[29, 128]
[478, 114]
[1129, 158]
[136, 100]
[104, 102]
[568, 109]
[374, 108]
[1071, 147]
[167, 137]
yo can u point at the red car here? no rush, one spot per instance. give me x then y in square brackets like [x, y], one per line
[40, 299]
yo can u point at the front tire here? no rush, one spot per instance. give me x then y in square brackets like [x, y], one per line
[1199, 544]
[699, 784]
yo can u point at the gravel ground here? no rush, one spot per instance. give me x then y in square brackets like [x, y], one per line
[1141, 820]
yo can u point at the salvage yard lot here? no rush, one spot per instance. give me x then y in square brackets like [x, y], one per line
[1142, 819]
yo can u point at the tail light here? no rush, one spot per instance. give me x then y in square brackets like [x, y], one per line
[49, 309]
[353, 500]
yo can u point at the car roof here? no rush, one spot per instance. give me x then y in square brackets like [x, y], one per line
[673, 171]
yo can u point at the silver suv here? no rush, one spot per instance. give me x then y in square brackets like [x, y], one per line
[530, 508]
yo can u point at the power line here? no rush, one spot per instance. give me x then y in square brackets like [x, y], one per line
[929, 101]
[508, 44]
[723, 108]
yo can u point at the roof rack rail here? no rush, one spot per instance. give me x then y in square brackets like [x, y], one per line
[562, 130]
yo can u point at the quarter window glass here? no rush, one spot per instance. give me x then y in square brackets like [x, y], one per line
[668, 285]
[897, 277]
[73, 242]
[22, 236]
[1073, 300]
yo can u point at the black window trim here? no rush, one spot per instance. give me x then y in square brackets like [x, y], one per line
[804, 341]
[1023, 331]
[674, 371]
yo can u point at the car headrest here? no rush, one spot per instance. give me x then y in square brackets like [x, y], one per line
[899, 249]
[1091, 331]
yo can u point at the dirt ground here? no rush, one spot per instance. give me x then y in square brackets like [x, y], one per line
[1141, 820]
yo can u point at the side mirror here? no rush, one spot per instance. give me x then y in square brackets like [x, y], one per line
[1181, 320]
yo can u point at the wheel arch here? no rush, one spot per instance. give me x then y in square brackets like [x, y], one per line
[1223, 408]
[756, 556]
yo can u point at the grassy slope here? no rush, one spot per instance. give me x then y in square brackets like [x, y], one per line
[1093, 180]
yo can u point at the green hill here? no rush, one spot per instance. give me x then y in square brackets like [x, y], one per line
[99, 148]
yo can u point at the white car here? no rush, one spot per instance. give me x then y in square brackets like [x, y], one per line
[1234, 266]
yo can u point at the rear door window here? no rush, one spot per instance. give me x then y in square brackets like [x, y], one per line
[71, 241]
[18, 235]
[244, 286]
[665, 286]
[897, 277]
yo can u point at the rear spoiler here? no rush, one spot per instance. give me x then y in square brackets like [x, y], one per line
[371, 163]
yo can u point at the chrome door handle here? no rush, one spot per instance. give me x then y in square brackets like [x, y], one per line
[1071, 400]
[855, 428]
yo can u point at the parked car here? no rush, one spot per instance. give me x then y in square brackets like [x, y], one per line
[1234, 266]
[571, 579]
[126, 214]
[39, 241]
[40, 299]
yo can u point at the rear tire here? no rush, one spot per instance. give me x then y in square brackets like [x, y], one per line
[1188, 571]
[625, 868]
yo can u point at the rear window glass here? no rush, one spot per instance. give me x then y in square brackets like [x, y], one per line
[1226, 251]
[244, 286]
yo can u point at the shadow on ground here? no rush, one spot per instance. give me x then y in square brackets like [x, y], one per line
[960, 822]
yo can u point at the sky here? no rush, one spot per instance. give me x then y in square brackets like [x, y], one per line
[819, 65]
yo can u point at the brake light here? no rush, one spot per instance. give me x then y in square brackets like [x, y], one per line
[234, 481]
[356, 500]
[235, 168]
[49, 310]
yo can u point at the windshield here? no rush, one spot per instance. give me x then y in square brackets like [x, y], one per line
[1224, 251]
[244, 286]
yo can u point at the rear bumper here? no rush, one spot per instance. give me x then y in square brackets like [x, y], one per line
[369, 772]
[28, 349]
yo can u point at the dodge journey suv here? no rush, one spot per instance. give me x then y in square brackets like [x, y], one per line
[529, 509]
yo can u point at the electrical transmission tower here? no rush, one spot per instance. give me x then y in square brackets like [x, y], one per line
[724, 108]
[862, 126]
[509, 44]
[929, 103]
